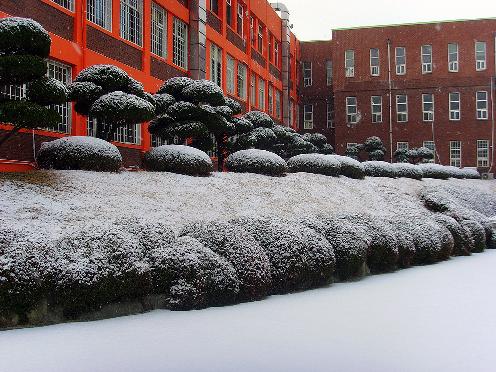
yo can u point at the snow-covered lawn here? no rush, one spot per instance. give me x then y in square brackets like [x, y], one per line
[433, 318]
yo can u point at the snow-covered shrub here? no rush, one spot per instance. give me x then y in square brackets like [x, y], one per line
[350, 168]
[401, 228]
[174, 86]
[241, 250]
[256, 161]
[435, 171]
[204, 91]
[259, 119]
[162, 102]
[407, 170]
[476, 230]
[375, 148]
[315, 163]
[46, 91]
[350, 243]
[433, 242]
[471, 173]
[79, 153]
[85, 94]
[316, 139]
[178, 159]
[420, 155]
[184, 111]
[242, 125]
[23, 36]
[110, 78]
[463, 242]
[299, 257]
[192, 275]
[119, 107]
[234, 105]
[379, 169]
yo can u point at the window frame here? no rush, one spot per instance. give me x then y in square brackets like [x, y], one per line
[454, 114]
[375, 62]
[261, 94]
[241, 81]
[480, 64]
[128, 13]
[483, 161]
[240, 19]
[398, 112]
[230, 74]
[307, 74]
[427, 67]
[216, 64]
[376, 117]
[483, 113]
[157, 27]
[103, 19]
[455, 153]
[330, 116]
[180, 43]
[308, 117]
[402, 145]
[400, 67]
[349, 63]
[329, 73]
[351, 117]
[454, 66]
[429, 113]
[66, 4]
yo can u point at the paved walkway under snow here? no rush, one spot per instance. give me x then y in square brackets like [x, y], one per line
[435, 318]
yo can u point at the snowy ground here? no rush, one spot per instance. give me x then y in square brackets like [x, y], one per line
[434, 318]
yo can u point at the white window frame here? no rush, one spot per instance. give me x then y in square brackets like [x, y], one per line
[261, 94]
[454, 112]
[216, 64]
[67, 4]
[426, 58]
[278, 103]
[482, 113]
[242, 75]
[270, 98]
[455, 148]
[229, 13]
[400, 61]
[159, 30]
[62, 73]
[308, 117]
[230, 71]
[427, 115]
[351, 110]
[376, 109]
[375, 62]
[330, 115]
[260, 39]
[240, 19]
[402, 145]
[482, 153]
[431, 145]
[253, 90]
[480, 56]
[130, 133]
[131, 21]
[99, 12]
[349, 63]
[401, 115]
[180, 43]
[453, 58]
[276, 53]
[329, 73]
[307, 74]
[214, 6]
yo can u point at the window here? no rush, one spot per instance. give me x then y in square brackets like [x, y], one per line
[13, 92]
[453, 57]
[230, 74]
[376, 109]
[252, 31]
[455, 154]
[278, 104]
[307, 74]
[430, 145]
[374, 62]
[157, 141]
[482, 105]
[426, 59]
[62, 73]
[100, 13]
[329, 72]
[482, 153]
[216, 64]
[400, 54]
[351, 110]
[130, 133]
[159, 31]
[401, 145]
[229, 12]
[68, 4]
[402, 108]
[240, 19]
[253, 91]
[349, 63]
[214, 6]
[261, 94]
[307, 116]
[428, 107]
[132, 20]
[291, 114]
[330, 115]
[260, 39]
[480, 55]
[180, 44]
[271, 41]
[276, 53]
[242, 81]
[271, 100]
[454, 106]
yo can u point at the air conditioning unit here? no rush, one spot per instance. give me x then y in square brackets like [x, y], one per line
[488, 176]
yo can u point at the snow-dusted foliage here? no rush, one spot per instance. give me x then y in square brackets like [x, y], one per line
[299, 257]
[23, 36]
[242, 125]
[47, 91]
[122, 107]
[110, 78]
[433, 242]
[407, 170]
[316, 139]
[178, 159]
[79, 153]
[350, 168]
[184, 111]
[401, 227]
[315, 163]
[259, 119]
[163, 102]
[375, 148]
[241, 250]
[84, 93]
[435, 171]
[463, 241]
[225, 111]
[477, 232]
[234, 105]
[420, 155]
[174, 86]
[256, 161]
[204, 91]
[379, 169]
[262, 138]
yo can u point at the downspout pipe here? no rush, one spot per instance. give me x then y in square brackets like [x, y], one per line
[285, 52]
[390, 93]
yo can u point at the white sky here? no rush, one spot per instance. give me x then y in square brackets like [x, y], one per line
[314, 19]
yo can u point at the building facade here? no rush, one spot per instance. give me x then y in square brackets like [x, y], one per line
[245, 46]
[411, 85]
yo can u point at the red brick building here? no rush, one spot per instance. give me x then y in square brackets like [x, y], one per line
[411, 85]
[245, 46]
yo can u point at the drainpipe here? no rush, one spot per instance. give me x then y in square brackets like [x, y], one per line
[390, 86]
[286, 51]
[197, 39]
[493, 79]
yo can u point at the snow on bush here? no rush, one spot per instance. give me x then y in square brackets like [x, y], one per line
[185, 111]
[350, 168]
[315, 163]
[299, 257]
[110, 78]
[316, 139]
[122, 107]
[241, 250]
[256, 161]
[401, 228]
[204, 91]
[259, 119]
[174, 86]
[433, 242]
[463, 241]
[47, 91]
[435, 171]
[476, 230]
[79, 153]
[162, 102]
[407, 170]
[379, 169]
[23, 36]
[234, 105]
[178, 159]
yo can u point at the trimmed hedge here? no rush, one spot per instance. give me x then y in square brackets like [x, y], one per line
[178, 159]
[20, 69]
[22, 36]
[315, 163]
[379, 169]
[407, 170]
[350, 168]
[256, 161]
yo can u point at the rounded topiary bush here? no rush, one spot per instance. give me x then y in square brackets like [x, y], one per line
[407, 170]
[299, 257]
[435, 171]
[401, 228]
[23, 36]
[174, 86]
[350, 168]
[433, 242]
[241, 250]
[476, 230]
[204, 91]
[178, 159]
[315, 163]
[259, 119]
[256, 161]
[463, 242]
[79, 153]
[379, 169]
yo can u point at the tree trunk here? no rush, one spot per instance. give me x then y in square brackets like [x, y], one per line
[220, 153]
[9, 134]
